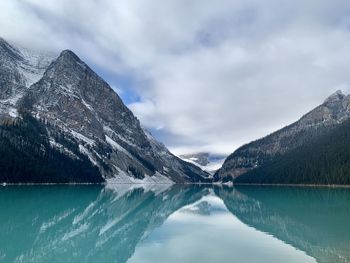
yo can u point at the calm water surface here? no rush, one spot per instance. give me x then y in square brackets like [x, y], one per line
[174, 224]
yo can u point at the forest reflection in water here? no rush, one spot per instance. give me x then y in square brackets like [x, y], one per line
[173, 223]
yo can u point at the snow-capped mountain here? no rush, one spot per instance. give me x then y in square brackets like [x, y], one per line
[332, 112]
[19, 69]
[204, 160]
[72, 102]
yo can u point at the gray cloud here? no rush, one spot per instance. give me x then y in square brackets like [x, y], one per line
[211, 75]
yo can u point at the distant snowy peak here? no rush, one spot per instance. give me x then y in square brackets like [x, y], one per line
[206, 161]
[31, 64]
[198, 158]
[19, 69]
[34, 64]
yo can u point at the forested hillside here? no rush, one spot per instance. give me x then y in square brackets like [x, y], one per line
[322, 160]
[28, 157]
[334, 111]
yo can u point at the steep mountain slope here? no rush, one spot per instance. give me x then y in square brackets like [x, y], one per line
[334, 111]
[27, 156]
[71, 99]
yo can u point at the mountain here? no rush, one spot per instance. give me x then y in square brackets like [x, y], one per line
[204, 160]
[303, 133]
[198, 158]
[324, 160]
[19, 69]
[75, 115]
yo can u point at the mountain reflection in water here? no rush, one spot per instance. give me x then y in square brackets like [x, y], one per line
[130, 223]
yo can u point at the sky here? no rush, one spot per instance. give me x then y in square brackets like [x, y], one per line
[201, 75]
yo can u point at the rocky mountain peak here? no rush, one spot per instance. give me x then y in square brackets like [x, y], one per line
[67, 63]
[68, 56]
[84, 115]
[335, 97]
[69, 53]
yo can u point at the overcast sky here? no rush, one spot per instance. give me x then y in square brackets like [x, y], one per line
[202, 75]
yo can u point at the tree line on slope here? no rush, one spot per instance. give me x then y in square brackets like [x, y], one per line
[28, 157]
[323, 160]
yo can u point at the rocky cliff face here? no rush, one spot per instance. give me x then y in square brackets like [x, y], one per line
[70, 98]
[335, 110]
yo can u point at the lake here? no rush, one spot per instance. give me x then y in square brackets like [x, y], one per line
[130, 223]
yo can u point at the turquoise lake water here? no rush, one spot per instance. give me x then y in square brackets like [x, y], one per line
[174, 224]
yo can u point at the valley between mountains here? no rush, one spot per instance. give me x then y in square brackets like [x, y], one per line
[62, 123]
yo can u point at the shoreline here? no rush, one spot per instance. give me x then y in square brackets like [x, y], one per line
[297, 185]
[184, 184]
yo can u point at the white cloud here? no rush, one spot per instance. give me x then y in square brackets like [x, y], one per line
[212, 75]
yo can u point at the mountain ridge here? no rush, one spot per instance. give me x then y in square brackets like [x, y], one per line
[82, 107]
[332, 112]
